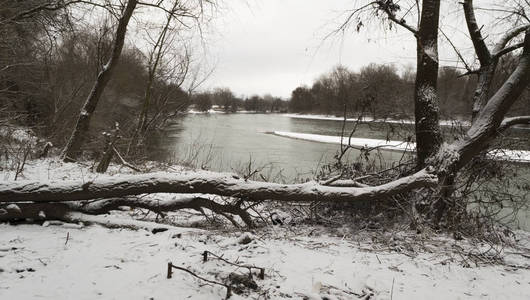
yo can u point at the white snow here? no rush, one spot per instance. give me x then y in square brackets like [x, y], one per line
[199, 112]
[369, 119]
[19, 134]
[356, 142]
[60, 262]
[500, 154]
[431, 51]
[73, 261]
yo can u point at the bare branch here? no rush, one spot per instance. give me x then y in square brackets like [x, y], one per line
[384, 6]
[481, 49]
[508, 122]
[501, 49]
[468, 68]
[507, 50]
[509, 36]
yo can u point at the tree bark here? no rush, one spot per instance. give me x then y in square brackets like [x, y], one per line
[203, 183]
[488, 124]
[426, 106]
[63, 211]
[488, 61]
[72, 149]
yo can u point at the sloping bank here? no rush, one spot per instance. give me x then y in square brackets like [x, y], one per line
[521, 156]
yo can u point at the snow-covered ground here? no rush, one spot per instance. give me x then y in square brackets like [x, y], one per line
[501, 154]
[72, 261]
[62, 262]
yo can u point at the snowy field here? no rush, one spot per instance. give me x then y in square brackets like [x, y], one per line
[62, 262]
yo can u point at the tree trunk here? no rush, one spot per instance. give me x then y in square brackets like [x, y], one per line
[488, 124]
[203, 183]
[426, 107]
[73, 147]
[108, 153]
[63, 211]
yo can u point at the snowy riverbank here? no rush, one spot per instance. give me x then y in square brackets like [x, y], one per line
[74, 261]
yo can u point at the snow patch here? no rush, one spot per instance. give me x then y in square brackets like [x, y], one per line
[431, 51]
[355, 142]
[369, 119]
[522, 156]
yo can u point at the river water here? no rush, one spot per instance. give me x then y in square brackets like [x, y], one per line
[228, 142]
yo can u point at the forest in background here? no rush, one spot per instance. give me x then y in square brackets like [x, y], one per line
[382, 91]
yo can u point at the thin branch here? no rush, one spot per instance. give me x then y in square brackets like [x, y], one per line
[384, 6]
[507, 50]
[468, 68]
[228, 289]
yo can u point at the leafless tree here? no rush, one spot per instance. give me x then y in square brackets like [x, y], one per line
[177, 11]
[73, 146]
[161, 48]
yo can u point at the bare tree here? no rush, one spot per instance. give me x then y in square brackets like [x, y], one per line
[426, 107]
[73, 146]
[156, 54]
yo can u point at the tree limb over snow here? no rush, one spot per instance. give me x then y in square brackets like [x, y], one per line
[221, 184]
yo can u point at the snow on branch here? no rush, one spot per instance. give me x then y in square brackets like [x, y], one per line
[508, 122]
[510, 35]
[221, 184]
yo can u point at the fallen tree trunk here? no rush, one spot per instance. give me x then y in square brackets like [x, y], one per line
[221, 184]
[63, 211]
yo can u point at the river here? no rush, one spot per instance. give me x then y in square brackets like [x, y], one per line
[228, 142]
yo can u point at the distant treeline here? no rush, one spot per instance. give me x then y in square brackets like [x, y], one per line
[379, 91]
[228, 102]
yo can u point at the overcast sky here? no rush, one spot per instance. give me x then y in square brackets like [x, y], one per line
[273, 46]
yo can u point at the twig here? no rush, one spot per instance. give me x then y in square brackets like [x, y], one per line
[123, 162]
[170, 268]
[20, 167]
[392, 290]
[249, 267]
